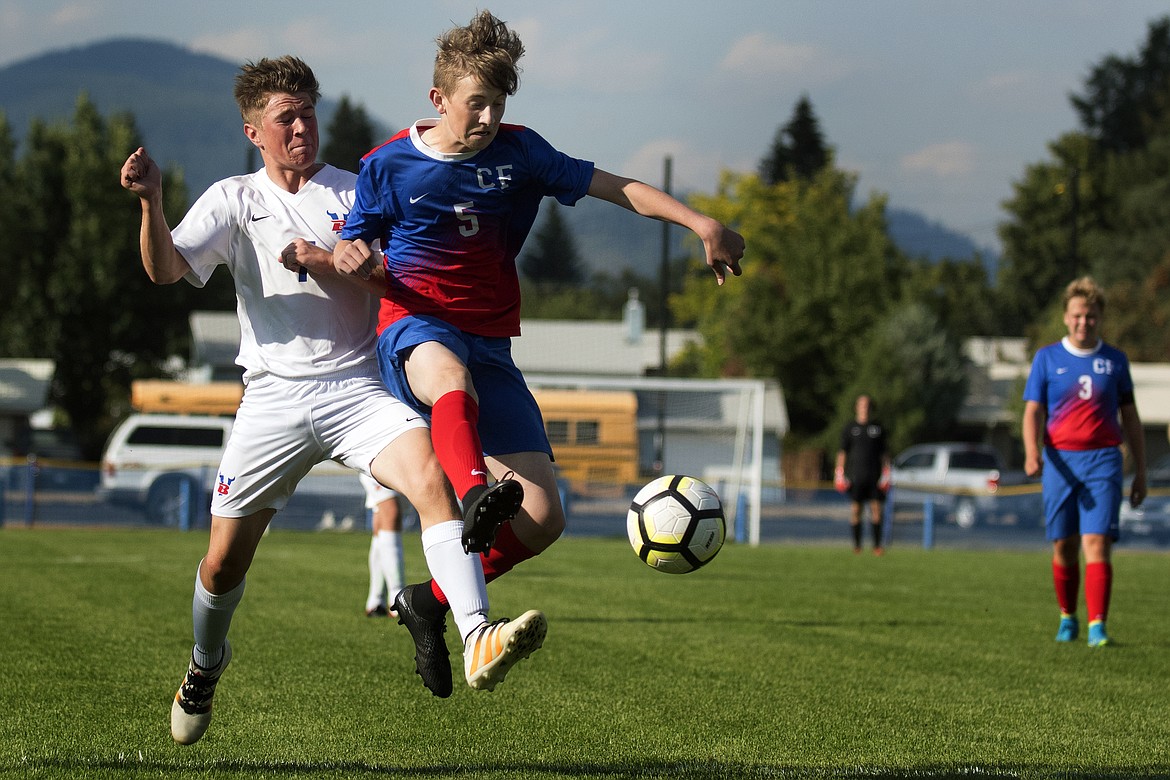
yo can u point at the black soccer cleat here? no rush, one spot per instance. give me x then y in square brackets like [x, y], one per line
[485, 509]
[431, 659]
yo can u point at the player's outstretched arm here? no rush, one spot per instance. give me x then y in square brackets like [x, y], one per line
[163, 263]
[724, 247]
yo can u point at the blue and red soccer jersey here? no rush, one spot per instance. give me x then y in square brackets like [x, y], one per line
[1082, 392]
[451, 225]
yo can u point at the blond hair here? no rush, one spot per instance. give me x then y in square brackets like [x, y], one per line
[485, 49]
[1085, 287]
[257, 82]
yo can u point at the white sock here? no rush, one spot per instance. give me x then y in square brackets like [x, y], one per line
[212, 616]
[389, 544]
[459, 575]
[377, 594]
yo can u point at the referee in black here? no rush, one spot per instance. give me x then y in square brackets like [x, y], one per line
[863, 471]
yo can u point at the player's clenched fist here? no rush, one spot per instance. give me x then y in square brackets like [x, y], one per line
[141, 175]
[355, 258]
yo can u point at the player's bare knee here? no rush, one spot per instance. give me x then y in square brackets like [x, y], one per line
[221, 574]
[539, 526]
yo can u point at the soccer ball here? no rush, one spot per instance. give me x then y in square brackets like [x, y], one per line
[676, 524]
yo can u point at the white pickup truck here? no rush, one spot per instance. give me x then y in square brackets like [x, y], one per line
[961, 481]
[163, 459]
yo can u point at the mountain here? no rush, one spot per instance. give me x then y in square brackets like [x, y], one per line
[184, 110]
[919, 237]
[182, 101]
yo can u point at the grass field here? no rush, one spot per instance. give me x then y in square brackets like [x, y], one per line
[778, 661]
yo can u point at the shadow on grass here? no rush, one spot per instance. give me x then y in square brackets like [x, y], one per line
[686, 770]
[755, 620]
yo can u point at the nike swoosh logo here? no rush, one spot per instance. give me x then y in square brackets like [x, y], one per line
[256, 218]
[416, 199]
[1062, 370]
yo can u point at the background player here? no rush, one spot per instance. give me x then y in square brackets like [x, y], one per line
[385, 558]
[1075, 391]
[452, 200]
[312, 390]
[863, 471]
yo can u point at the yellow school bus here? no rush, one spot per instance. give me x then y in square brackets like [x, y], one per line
[594, 435]
[162, 396]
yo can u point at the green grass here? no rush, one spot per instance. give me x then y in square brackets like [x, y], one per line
[779, 661]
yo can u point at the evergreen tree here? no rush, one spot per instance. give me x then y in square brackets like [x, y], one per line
[76, 291]
[10, 225]
[798, 151]
[1099, 204]
[1127, 99]
[350, 135]
[550, 259]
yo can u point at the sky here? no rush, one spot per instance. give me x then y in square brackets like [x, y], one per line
[937, 104]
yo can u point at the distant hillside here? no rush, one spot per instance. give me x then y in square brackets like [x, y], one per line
[182, 102]
[183, 107]
[919, 237]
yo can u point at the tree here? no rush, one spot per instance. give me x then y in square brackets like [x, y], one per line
[10, 223]
[915, 371]
[350, 135]
[1101, 204]
[798, 151]
[551, 260]
[1133, 231]
[1137, 315]
[76, 290]
[1127, 100]
[957, 292]
[819, 275]
[1039, 240]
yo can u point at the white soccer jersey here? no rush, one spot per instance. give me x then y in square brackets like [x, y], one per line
[291, 325]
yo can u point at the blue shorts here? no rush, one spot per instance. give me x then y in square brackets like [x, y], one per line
[1082, 492]
[509, 419]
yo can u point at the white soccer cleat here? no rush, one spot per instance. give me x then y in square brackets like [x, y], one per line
[494, 648]
[191, 710]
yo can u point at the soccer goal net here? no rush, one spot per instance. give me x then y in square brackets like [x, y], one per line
[611, 435]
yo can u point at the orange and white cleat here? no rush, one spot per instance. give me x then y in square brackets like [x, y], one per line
[494, 648]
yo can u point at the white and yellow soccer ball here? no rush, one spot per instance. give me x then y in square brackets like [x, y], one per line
[676, 524]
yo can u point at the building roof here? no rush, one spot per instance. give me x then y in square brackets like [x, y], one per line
[999, 368]
[1151, 389]
[594, 347]
[24, 385]
[215, 338]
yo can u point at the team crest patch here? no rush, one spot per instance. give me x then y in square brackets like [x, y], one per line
[225, 485]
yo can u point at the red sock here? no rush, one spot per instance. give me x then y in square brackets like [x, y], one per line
[1098, 584]
[1067, 582]
[453, 433]
[506, 552]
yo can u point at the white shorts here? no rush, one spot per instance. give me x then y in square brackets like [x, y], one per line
[284, 427]
[376, 492]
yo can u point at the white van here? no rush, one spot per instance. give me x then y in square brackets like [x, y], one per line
[165, 465]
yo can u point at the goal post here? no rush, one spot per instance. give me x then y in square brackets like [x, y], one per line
[610, 435]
